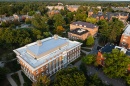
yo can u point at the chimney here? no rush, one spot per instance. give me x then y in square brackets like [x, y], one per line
[55, 36]
[39, 42]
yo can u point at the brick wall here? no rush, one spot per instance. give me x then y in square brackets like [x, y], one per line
[125, 41]
[76, 37]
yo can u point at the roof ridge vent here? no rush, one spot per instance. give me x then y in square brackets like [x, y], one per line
[55, 36]
[39, 42]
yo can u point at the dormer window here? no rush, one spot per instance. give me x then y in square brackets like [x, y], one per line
[80, 25]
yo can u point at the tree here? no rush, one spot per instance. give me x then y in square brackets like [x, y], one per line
[42, 81]
[59, 30]
[90, 41]
[69, 77]
[91, 20]
[110, 31]
[40, 22]
[89, 59]
[116, 64]
[80, 17]
[127, 78]
[3, 72]
[58, 20]
[28, 21]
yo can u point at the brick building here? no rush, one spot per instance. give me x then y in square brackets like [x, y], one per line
[92, 28]
[47, 56]
[72, 8]
[55, 7]
[125, 38]
[122, 16]
[107, 49]
[78, 34]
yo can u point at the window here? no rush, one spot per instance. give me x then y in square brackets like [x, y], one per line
[46, 66]
[36, 71]
[124, 40]
[42, 69]
[46, 71]
[42, 73]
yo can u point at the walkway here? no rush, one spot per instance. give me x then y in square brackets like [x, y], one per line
[21, 77]
[12, 82]
[103, 77]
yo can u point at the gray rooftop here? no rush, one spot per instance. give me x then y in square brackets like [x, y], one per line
[85, 24]
[48, 44]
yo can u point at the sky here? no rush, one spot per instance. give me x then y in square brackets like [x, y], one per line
[64, 0]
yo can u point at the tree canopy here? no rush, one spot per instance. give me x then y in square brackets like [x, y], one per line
[90, 41]
[89, 59]
[91, 20]
[110, 31]
[42, 81]
[116, 64]
[69, 77]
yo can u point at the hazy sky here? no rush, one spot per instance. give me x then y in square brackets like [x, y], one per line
[64, 0]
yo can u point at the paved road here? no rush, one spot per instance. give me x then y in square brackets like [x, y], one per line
[104, 78]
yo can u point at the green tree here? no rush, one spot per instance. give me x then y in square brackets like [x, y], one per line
[89, 59]
[40, 22]
[116, 64]
[90, 41]
[59, 30]
[42, 81]
[58, 20]
[28, 21]
[91, 20]
[80, 17]
[69, 77]
[3, 72]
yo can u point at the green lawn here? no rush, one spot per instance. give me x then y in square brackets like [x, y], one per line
[88, 50]
[76, 60]
[16, 78]
[27, 81]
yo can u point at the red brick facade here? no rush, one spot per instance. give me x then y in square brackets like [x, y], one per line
[125, 41]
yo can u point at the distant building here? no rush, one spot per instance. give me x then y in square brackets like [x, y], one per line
[47, 56]
[53, 12]
[109, 15]
[125, 38]
[72, 8]
[92, 28]
[124, 9]
[90, 13]
[55, 7]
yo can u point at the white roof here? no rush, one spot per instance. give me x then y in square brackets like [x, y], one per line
[127, 30]
[48, 43]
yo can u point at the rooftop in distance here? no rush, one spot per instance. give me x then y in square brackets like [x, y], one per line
[127, 30]
[84, 24]
[79, 31]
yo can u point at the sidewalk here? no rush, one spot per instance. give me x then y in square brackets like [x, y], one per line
[12, 82]
[20, 77]
[103, 77]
